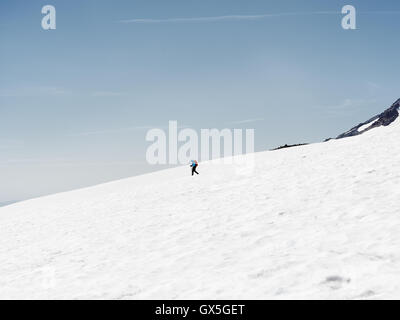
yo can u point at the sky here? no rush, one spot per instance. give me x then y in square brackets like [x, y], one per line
[76, 102]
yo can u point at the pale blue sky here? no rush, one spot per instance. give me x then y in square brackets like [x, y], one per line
[76, 102]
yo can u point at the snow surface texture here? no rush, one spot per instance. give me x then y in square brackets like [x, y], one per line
[320, 221]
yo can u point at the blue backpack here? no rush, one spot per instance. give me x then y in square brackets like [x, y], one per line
[193, 163]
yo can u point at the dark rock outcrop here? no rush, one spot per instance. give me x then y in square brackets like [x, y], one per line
[383, 119]
[290, 146]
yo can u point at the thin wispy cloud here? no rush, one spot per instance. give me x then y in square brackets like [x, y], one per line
[247, 121]
[226, 17]
[380, 12]
[101, 132]
[64, 162]
[349, 103]
[373, 87]
[345, 107]
[107, 94]
[372, 84]
[38, 91]
[42, 91]
[120, 130]
[246, 17]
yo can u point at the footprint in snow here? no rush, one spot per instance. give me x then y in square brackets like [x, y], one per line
[336, 282]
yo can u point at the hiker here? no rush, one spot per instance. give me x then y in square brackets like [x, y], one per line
[194, 164]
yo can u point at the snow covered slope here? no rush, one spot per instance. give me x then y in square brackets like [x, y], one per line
[307, 223]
